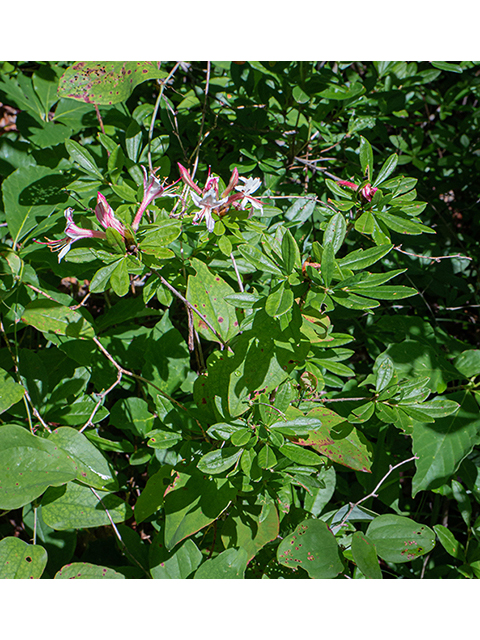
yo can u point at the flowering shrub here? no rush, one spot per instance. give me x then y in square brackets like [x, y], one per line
[254, 378]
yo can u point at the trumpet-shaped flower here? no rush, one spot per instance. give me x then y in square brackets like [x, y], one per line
[151, 189]
[206, 204]
[73, 233]
[250, 186]
[105, 215]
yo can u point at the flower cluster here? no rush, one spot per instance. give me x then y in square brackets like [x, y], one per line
[207, 200]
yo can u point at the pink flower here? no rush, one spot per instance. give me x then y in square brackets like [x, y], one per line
[73, 233]
[151, 189]
[105, 215]
[367, 192]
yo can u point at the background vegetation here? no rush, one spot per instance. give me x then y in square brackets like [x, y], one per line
[330, 394]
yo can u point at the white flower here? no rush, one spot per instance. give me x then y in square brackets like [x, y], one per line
[250, 186]
[206, 203]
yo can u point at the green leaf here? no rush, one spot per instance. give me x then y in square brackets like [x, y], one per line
[449, 542]
[447, 66]
[403, 225]
[335, 232]
[365, 556]
[83, 157]
[133, 414]
[352, 301]
[101, 277]
[366, 158]
[468, 363]
[338, 441]
[279, 301]
[266, 457]
[384, 372]
[463, 501]
[49, 316]
[363, 258]
[133, 140]
[399, 539]
[93, 469]
[246, 527]
[161, 234]
[173, 566]
[441, 448]
[120, 278]
[388, 167]
[206, 292]
[116, 240]
[30, 194]
[343, 92]
[290, 252]
[10, 392]
[230, 564]
[28, 466]
[160, 439]
[298, 426]
[312, 546]
[321, 496]
[242, 300]
[259, 260]
[87, 571]
[75, 506]
[300, 455]
[153, 495]
[328, 264]
[105, 83]
[219, 460]
[193, 502]
[19, 560]
[385, 292]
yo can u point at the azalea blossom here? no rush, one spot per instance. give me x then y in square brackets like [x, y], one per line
[250, 186]
[152, 188]
[206, 204]
[73, 233]
[105, 215]
[367, 192]
[208, 201]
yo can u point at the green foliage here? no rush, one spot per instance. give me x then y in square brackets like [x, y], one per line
[267, 370]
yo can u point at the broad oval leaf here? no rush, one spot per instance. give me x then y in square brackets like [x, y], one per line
[28, 466]
[399, 539]
[21, 560]
[76, 506]
[49, 316]
[312, 546]
[87, 571]
[105, 83]
[219, 460]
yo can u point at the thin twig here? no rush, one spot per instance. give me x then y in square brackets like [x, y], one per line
[155, 111]
[373, 494]
[202, 124]
[431, 258]
[26, 397]
[99, 117]
[101, 397]
[139, 378]
[190, 306]
[237, 273]
[117, 533]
